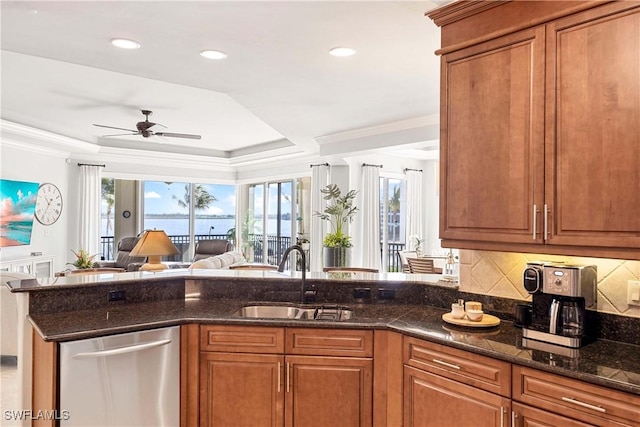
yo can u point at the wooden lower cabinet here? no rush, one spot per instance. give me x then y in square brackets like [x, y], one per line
[434, 401]
[239, 389]
[329, 391]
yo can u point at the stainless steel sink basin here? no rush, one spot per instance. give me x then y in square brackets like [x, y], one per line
[327, 312]
[268, 312]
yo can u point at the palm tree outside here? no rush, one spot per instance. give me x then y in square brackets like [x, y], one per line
[202, 199]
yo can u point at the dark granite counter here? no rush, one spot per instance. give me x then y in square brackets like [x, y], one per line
[608, 363]
[82, 311]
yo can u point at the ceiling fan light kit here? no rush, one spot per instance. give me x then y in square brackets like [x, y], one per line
[144, 129]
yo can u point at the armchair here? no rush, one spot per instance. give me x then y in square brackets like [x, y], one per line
[208, 248]
[123, 258]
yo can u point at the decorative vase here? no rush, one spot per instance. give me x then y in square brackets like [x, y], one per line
[336, 256]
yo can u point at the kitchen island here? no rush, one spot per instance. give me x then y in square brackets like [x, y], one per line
[77, 309]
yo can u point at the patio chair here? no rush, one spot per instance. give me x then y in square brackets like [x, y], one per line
[421, 265]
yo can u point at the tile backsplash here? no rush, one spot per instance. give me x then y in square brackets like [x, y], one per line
[500, 274]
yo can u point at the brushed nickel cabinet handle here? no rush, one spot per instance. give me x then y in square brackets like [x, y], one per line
[288, 378]
[279, 366]
[583, 404]
[449, 365]
[514, 417]
[535, 221]
[546, 222]
[502, 411]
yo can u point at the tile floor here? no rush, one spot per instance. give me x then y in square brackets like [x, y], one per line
[9, 389]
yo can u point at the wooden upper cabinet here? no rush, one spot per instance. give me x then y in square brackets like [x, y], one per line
[593, 108]
[540, 127]
[492, 139]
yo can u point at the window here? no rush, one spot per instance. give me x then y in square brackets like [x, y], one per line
[189, 212]
[108, 201]
[392, 221]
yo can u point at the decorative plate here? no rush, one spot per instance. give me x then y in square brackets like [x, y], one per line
[487, 321]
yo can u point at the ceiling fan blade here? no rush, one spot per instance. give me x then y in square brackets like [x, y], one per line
[119, 134]
[111, 127]
[178, 135]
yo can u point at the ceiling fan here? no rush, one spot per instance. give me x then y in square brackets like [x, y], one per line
[144, 129]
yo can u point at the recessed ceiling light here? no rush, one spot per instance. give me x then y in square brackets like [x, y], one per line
[213, 54]
[125, 44]
[342, 51]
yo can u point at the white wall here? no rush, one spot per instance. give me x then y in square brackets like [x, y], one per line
[37, 166]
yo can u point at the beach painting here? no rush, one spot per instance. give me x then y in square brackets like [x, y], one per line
[17, 207]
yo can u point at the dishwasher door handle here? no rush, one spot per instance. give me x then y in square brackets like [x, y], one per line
[121, 350]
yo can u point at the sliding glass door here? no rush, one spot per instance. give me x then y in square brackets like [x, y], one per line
[270, 221]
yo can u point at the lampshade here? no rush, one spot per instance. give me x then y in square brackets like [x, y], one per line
[154, 244]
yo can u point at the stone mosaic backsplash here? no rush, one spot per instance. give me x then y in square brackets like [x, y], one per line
[500, 274]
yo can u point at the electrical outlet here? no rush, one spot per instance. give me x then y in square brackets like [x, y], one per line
[117, 295]
[362, 293]
[633, 293]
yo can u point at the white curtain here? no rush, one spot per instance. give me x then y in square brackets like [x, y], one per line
[370, 217]
[90, 197]
[414, 207]
[319, 180]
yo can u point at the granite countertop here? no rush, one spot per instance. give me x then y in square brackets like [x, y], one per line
[608, 363]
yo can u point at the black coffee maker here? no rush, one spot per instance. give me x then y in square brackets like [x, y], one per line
[561, 296]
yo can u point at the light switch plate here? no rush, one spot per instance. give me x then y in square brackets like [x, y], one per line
[633, 293]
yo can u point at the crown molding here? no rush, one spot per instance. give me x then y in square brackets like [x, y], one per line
[38, 140]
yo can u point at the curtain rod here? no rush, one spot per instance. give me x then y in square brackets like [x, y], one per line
[414, 170]
[87, 164]
[375, 166]
[320, 164]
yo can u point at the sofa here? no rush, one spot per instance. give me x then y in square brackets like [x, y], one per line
[224, 260]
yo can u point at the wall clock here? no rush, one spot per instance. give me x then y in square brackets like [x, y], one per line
[48, 204]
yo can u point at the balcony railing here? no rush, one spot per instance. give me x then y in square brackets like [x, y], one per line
[276, 245]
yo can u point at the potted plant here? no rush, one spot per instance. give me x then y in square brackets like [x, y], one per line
[339, 212]
[83, 259]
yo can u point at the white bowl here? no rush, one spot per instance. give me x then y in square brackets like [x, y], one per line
[475, 315]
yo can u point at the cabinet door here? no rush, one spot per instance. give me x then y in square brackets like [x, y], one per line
[434, 401]
[241, 390]
[593, 132]
[526, 416]
[329, 391]
[492, 139]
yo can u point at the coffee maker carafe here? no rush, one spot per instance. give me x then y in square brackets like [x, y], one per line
[561, 294]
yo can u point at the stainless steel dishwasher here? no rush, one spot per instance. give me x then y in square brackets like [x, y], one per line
[123, 380]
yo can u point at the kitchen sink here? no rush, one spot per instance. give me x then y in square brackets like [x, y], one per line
[322, 312]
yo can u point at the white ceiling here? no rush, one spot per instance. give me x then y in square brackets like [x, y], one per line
[278, 92]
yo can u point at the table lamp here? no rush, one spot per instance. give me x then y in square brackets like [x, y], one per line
[154, 244]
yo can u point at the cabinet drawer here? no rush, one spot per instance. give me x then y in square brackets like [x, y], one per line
[242, 339]
[576, 399]
[329, 342]
[468, 368]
